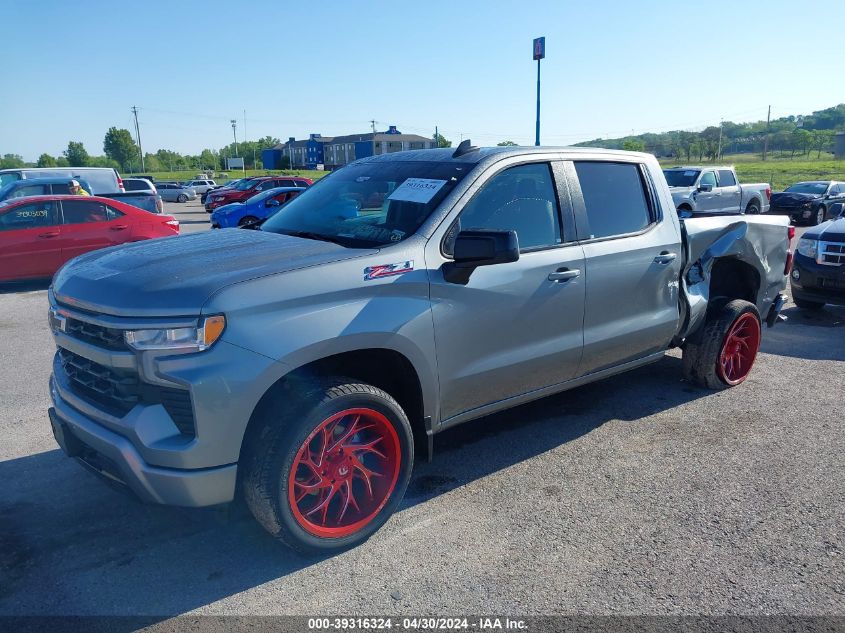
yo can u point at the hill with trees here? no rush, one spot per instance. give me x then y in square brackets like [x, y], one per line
[789, 135]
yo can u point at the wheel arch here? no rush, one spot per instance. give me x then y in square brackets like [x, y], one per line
[385, 368]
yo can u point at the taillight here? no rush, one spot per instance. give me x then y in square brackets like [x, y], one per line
[788, 268]
[120, 183]
[768, 193]
[791, 233]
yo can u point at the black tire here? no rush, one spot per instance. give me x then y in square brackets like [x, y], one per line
[271, 454]
[753, 208]
[702, 357]
[247, 219]
[182, 198]
[821, 213]
[808, 305]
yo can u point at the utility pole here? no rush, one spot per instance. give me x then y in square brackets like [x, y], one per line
[719, 150]
[373, 123]
[766, 141]
[539, 53]
[138, 136]
[436, 137]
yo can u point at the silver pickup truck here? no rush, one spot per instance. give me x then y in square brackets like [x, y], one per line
[302, 363]
[715, 190]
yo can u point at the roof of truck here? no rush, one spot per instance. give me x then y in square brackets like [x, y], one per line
[478, 154]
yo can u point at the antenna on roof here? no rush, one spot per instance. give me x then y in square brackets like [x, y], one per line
[465, 147]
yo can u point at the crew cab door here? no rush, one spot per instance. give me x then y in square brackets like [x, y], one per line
[633, 263]
[514, 327]
[89, 225]
[29, 240]
[708, 201]
[730, 192]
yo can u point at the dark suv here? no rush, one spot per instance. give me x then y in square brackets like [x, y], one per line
[818, 274]
[249, 187]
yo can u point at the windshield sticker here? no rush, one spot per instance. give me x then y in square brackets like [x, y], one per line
[388, 270]
[396, 235]
[420, 190]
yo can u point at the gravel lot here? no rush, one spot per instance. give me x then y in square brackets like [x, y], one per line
[637, 495]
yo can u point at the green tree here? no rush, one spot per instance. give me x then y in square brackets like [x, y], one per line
[120, 147]
[76, 154]
[441, 141]
[61, 161]
[633, 145]
[209, 159]
[152, 163]
[506, 144]
[11, 161]
[45, 160]
[103, 161]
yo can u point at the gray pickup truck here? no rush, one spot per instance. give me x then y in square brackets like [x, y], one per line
[304, 363]
[715, 190]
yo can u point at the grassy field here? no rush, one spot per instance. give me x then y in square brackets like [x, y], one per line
[779, 171]
[180, 176]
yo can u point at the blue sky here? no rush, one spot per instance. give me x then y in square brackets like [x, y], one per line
[73, 69]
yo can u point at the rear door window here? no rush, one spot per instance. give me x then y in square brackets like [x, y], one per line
[726, 178]
[84, 211]
[615, 198]
[30, 190]
[28, 216]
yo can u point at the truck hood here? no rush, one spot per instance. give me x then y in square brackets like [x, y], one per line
[830, 231]
[176, 276]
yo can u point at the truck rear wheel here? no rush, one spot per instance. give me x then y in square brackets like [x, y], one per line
[753, 208]
[328, 470]
[725, 353]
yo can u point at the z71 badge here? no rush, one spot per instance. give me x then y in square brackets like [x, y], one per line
[388, 270]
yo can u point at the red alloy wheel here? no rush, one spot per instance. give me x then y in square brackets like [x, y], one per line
[344, 473]
[739, 350]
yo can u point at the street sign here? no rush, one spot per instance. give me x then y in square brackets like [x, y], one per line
[540, 48]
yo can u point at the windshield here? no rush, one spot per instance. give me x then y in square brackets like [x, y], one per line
[243, 185]
[371, 204]
[817, 188]
[681, 177]
[264, 194]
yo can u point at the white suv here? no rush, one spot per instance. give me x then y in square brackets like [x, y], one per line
[200, 186]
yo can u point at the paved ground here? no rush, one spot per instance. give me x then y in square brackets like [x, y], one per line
[640, 494]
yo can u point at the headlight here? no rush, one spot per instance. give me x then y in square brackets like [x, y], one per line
[808, 248]
[180, 340]
[806, 205]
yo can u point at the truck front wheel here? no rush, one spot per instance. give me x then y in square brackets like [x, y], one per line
[329, 465]
[728, 346]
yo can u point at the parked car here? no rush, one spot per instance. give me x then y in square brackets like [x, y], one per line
[39, 187]
[818, 276]
[228, 185]
[808, 202]
[302, 371]
[101, 179]
[251, 186]
[175, 193]
[261, 206]
[200, 186]
[39, 234]
[715, 190]
[146, 200]
[139, 184]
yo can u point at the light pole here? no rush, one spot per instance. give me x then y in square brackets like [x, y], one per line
[539, 53]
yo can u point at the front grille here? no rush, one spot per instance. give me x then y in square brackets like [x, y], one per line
[118, 391]
[831, 253]
[831, 284]
[107, 337]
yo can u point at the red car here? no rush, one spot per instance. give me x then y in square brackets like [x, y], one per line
[40, 233]
[251, 186]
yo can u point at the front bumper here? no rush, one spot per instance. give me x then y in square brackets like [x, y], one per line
[114, 458]
[796, 214]
[817, 282]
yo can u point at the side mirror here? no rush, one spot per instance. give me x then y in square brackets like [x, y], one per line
[480, 248]
[705, 188]
[273, 203]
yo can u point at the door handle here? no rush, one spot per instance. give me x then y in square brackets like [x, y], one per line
[49, 234]
[665, 257]
[564, 274]
[119, 227]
